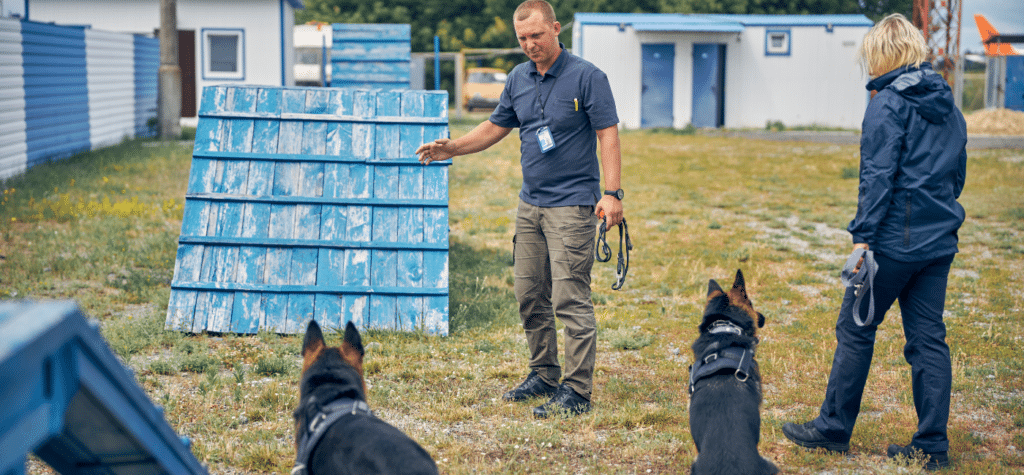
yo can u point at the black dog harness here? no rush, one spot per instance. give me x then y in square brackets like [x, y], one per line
[623, 265]
[319, 424]
[716, 359]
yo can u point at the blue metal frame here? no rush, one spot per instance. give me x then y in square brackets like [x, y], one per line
[67, 398]
[241, 54]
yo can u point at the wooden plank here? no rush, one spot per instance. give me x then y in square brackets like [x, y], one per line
[275, 307]
[388, 136]
[246, 313]
[330, 312]
[364, 104]
[209, 132]
[356, 309]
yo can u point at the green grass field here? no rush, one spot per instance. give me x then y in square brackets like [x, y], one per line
[102, 228]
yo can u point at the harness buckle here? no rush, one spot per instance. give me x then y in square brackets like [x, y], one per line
[745, 376]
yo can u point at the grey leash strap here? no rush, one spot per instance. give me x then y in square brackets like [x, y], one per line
[862, 282]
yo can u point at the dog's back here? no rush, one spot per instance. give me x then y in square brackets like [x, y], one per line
[359, 445]
[725, 399]
[332, 391]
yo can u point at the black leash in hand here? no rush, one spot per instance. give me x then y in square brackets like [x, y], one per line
[623, 265]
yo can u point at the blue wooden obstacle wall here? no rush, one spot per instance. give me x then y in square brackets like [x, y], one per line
[66, 398]
[371, 55]
[310, 203]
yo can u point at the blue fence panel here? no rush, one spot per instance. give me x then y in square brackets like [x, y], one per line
[66, 398]
[66, 89]
[371, 55]
[147, 69]
[56, 91]
[310, 203]
[13, 160]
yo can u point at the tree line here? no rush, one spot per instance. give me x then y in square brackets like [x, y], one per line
[488, 23]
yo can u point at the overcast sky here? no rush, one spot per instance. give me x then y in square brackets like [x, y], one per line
[1006, 15]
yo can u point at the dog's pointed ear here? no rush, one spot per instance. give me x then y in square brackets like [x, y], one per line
[740, 286]
[352, 350]
[313, 342]
[739, 283]
[353, 339]
[760, 320]
[714, 287]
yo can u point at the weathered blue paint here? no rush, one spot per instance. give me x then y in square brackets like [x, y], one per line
[371, 55]
[67, 398]
[310, 203]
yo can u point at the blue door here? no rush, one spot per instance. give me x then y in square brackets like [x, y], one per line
[1014, 83]
[708, 85]
[656, 93]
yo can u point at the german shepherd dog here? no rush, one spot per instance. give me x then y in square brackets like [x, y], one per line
[335, 431]
[725, 386]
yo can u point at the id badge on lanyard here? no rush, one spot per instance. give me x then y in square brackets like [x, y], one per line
[544, 138]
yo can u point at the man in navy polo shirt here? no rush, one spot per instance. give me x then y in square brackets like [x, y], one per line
[563, 107]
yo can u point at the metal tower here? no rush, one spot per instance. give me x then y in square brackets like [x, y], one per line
[939, 21]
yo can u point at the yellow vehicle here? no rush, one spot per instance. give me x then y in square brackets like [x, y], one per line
[482, 88]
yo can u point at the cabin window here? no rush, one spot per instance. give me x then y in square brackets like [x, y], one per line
[776, 43]
[223, 54]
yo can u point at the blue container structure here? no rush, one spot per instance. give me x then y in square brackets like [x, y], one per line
[371, 56]
[67, 398]
[310, 203]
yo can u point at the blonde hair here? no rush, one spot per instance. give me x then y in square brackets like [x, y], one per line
[525, 9]
[892, 43]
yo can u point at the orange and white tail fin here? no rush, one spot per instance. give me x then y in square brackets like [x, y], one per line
[987, 31]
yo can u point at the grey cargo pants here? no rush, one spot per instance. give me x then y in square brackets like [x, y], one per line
[554, 253]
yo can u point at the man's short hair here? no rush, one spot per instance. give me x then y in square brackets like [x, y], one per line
[892, 43]
[525, 9]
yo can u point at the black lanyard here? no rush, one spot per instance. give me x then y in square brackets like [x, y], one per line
[536, 83]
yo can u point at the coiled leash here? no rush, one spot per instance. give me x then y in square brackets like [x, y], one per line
[623, 265]
[862, 282]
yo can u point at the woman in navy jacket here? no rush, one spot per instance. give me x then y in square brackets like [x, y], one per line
[912, 170]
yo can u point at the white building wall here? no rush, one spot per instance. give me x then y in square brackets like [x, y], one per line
[617, 53]
[819, 83]
[111, 71]
[259, 19]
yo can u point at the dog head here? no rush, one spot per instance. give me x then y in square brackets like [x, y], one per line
[733, 307]
[329, 373]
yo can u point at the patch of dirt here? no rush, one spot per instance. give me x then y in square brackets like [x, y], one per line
[995, 122]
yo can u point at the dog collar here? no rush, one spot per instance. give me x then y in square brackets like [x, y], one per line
[725, 326]
[318, 425]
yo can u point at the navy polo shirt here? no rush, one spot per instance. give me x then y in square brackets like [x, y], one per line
[573, 99]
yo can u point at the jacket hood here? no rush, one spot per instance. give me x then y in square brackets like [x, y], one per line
[922, 87]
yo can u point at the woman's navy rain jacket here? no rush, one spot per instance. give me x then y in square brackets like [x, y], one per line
[913, 163]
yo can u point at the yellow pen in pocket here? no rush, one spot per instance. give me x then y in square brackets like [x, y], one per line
[576, 104]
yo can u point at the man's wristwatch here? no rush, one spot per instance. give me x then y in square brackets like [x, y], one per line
[617, 193]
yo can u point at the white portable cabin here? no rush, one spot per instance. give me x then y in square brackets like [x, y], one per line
[313, 54]
[734, 71]
[219, 41]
